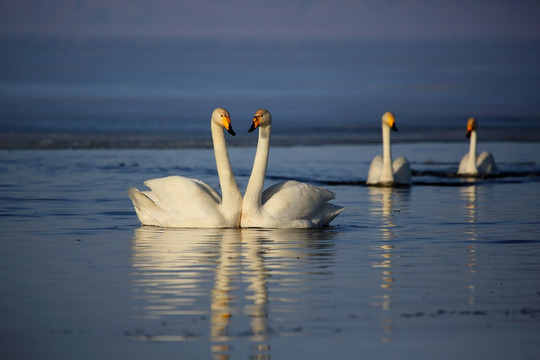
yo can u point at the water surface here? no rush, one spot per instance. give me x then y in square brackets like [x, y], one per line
[445, 269]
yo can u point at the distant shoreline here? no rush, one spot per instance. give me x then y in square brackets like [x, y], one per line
[51, 141]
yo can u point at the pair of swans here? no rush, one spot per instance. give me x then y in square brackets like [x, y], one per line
[177, 201]
[385, 172]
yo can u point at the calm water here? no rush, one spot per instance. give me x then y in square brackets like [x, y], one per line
[447, 269]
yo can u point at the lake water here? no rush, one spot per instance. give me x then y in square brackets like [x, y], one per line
[447, 269]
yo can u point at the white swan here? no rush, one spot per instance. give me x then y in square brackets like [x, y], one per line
[177, 201]
[382, 170]
[288, 204]
[473, 164]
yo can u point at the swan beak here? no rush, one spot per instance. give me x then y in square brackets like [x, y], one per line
[255, 124]
[392, 123]
[469, 130]
[227, 125]
[471, 126]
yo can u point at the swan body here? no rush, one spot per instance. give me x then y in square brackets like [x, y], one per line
[473, 164]
[288, 204]
[383, 171]
[181, 202]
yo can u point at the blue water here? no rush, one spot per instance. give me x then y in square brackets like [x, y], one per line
[341, 88]
[446, 269]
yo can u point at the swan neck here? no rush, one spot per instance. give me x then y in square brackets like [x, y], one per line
[386, 174]
[228, 185]
[252, 197]
[472, 153]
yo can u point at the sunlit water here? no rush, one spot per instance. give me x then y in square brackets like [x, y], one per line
[446, 269]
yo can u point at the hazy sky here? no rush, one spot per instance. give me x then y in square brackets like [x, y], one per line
[274, 18]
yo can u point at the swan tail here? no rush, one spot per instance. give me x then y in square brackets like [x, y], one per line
[146, 209]
[326, 214]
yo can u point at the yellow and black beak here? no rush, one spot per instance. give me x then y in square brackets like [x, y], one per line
[227, 125]
[255, 124]
[392, 123]
[470, 129]
[471, 126]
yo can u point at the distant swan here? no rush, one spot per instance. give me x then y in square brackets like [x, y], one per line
[288, 204]
[473, 164]
[177, 201]
[382, 170]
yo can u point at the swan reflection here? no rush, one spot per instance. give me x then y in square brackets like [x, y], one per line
[169, 274]
[387, 202]
[214, 283]
[470, 195]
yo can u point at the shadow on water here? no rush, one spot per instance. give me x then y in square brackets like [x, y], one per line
[449, 178]
[214, 284]
[432, 174]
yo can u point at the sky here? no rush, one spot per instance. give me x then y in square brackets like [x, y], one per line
[273, 19]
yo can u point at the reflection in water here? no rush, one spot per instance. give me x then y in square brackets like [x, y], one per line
[469, 194]
[165, 268]
[387, 201]
[228, 265]
[181, 276]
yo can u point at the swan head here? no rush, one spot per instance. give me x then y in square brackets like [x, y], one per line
[221, 117]
[261, 118]
[389, 120]
[471, 126]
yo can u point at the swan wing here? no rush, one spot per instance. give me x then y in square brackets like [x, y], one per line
[293, 200]
[485, 162]
[178, 189]
[177, 201]
[209, 189]
[375, 170]
[402, 171]
[463, 164]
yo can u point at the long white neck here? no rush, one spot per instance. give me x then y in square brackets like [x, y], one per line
[252, 197]
[471, 166]
[229, 188]
[387, 173]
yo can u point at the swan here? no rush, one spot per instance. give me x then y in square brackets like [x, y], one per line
[288, 204]
[383, 171]
[485, 162]
[181, 202]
